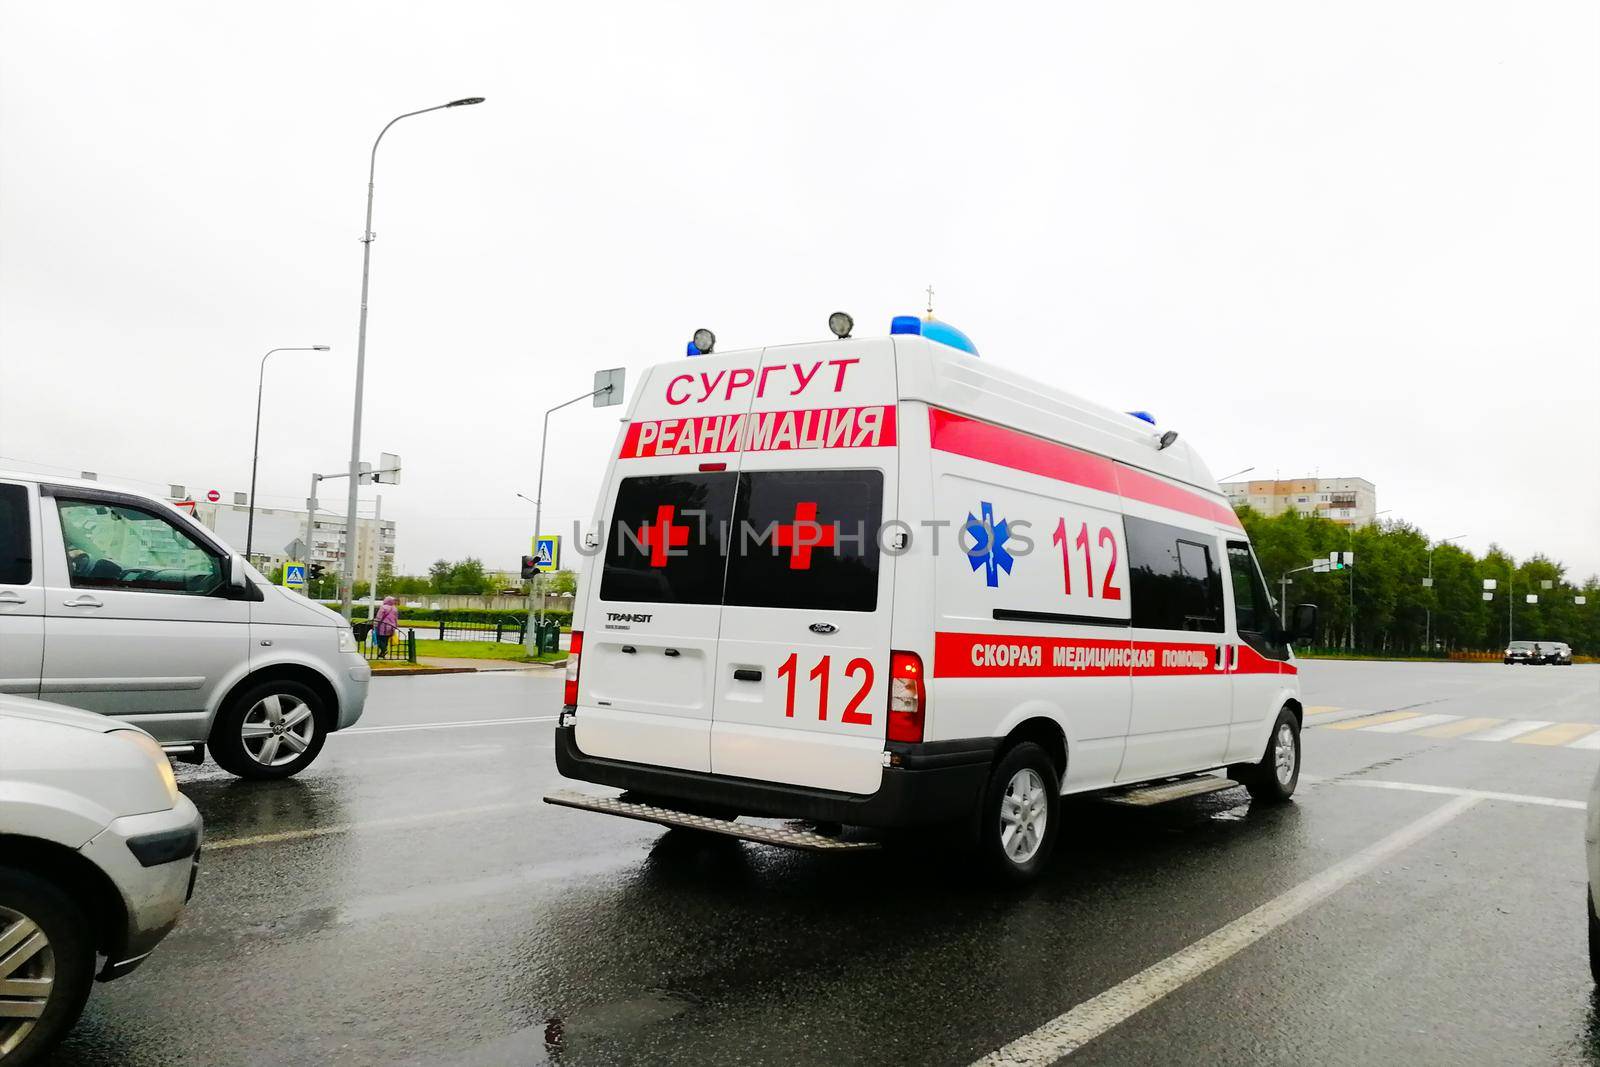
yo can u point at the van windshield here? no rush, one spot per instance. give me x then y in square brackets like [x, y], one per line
[782, 539]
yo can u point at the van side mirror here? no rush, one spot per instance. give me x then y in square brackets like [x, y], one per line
[1303, 627]
[237, 578]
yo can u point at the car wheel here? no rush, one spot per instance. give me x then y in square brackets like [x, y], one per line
[1020, 815]
[46, 964]
[1273, 779]
[273, 729]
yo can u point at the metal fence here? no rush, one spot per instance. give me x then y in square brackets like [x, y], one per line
[401, 647]
[505, 629]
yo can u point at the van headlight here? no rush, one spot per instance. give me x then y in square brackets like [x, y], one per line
[152, 748]
[347, 639]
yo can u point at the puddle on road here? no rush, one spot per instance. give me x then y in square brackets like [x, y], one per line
[619, 1018]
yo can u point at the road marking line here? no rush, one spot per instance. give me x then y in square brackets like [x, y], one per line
[1405, 725]
[1592, 741]
[1451, 791]
[1322, 709]
[343, 828]
[443, 725]
[1068, 1032]
[1514, 728]
[1559, 734]
[1372, 720]
[1456, 729]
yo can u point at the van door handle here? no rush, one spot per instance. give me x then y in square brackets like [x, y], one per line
[1220, 660]
[746, 674]
[8, 597]
[82, 601]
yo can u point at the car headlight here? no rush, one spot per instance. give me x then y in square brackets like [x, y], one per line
[152, 748]
[347, 639]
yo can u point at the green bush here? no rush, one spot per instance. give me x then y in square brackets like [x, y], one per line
[472, 615]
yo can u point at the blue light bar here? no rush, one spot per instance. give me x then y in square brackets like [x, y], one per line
[1145, 415]
[693, 351]
[933, 330]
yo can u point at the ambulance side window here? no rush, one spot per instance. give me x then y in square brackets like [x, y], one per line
[1252, 606]
[666, 543]
[1173, 578]
[806, 539]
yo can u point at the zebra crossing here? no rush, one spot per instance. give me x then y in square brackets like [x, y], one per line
[1579, 735]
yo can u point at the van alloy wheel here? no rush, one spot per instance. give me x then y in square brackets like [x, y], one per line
[277, 729]
[27, 977]
[1024, 810]
[1283, 753]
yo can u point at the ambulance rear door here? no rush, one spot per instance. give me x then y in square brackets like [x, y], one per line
[802, 672]
[655, 593]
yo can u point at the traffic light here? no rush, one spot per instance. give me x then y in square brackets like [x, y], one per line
[316, 572]
[530, 567]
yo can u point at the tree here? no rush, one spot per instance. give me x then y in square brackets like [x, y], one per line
[463, 577]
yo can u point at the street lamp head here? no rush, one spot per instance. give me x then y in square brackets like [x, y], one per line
[319, 348]
[465, 101]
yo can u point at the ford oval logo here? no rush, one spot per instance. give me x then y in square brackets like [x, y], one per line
[824, 628]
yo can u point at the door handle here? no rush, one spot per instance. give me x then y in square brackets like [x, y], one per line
[746, 674]
[1220, 660]
[82, 601]
[8, 597]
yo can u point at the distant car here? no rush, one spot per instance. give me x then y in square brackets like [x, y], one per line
[1523, 652]
[114, 601]
[98, 855]
[1556, 652]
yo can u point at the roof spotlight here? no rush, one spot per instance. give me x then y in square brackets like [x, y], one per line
[1167, 439]
[704, 341]
[841, 324]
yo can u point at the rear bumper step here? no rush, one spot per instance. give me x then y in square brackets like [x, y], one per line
[766, 835]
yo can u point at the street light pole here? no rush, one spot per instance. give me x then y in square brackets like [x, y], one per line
[255, 452]
[531, 642]
[348, 573]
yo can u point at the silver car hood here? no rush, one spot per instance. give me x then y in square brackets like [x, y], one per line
[19, 707]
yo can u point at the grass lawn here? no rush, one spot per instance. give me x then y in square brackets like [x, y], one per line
[484, 650]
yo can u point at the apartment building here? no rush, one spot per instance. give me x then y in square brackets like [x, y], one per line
[1348, 501]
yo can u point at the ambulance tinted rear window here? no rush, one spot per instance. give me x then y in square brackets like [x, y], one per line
[806, 539]
[665, 540]
[1174, 580]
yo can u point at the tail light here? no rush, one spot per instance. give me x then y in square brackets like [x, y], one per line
[569, 695]
[908, 698]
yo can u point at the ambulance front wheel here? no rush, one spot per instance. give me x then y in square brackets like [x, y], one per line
[1273, 779]
[1020, 814]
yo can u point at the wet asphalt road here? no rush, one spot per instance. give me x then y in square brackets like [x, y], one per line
[408, 900]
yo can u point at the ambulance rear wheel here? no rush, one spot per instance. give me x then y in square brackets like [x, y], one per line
[1020, 815]
[1273, 779]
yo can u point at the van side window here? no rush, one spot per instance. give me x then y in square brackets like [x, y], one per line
[16, 548]
[807, 539]
[667, 540]
[112, 546]
[1173, 578]
[1252, 605]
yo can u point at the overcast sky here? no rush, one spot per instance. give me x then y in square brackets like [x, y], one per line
[1354, 239]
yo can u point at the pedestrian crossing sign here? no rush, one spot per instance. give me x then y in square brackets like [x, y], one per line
[294, 575]
[547, 551]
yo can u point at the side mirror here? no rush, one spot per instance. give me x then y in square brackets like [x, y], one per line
[237, 576]
[1303, 627]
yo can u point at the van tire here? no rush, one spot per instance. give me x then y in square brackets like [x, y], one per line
[66, 928]
[1264, 780]
[227, 742]
[1027, 768]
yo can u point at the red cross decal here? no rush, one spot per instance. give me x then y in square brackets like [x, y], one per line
[803, 535]
[662, 535]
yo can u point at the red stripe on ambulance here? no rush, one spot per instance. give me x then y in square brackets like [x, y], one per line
[961, 655]
[867, 426]
[1020, 451]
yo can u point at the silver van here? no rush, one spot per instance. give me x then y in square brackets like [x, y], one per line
[118, 603]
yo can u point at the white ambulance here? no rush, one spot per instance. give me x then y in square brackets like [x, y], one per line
[883, 582]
